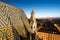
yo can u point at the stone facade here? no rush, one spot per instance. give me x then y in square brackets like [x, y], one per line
[33, 22]
[48, 36]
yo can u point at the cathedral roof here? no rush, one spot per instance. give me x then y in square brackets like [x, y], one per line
[15, 17]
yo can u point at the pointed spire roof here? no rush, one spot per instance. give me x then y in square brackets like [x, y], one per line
[32, 13]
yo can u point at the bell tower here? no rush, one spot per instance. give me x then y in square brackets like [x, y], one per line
[33, 22]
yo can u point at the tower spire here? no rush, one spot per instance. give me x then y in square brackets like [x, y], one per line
[32, 13]
[33, 21]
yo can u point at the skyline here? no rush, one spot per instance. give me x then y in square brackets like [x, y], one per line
[42, 8]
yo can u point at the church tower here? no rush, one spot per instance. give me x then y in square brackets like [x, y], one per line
[33, 22]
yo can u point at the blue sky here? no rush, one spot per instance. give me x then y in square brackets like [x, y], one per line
[42, 8]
